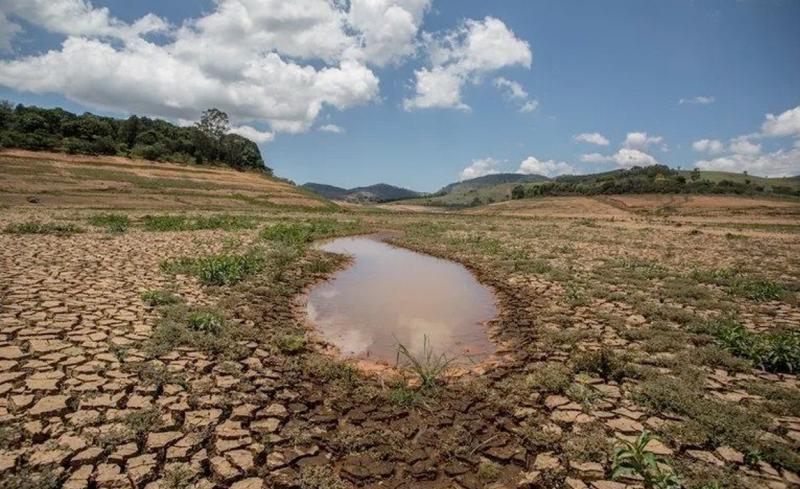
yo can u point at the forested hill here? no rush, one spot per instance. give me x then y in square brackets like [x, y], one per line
[208, 141]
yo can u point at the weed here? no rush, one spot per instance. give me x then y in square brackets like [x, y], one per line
[590, 444]
[319, 477]
[173, 330]
[429, 368]
[29, 479]
[633, 459]
[775, 352]
[225, 222]
[114, 223]
[299, 234]
[603, 362]
[207, 322]
[488, 471]
[159, 297]
[292, 343]
[143, 421]
[34, 227]
[218, 269]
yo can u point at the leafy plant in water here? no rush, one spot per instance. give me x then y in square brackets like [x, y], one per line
[634, 459]
[429, 367]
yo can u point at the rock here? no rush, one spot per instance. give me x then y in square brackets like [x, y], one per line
[571, 483]
[141, 467]
[625, 425]
[361, 467]
[267, 425]
[11, 353]
[588, 470]
[704, 456]
[547, 462]
[607, 485]
[88, 456]
[529, 480]
[110, 476]
[48, 457]
[730, 455]
[222, 469]
[242, 459]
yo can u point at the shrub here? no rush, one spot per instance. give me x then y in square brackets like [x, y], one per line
[292, 343]
[775, 352]
[205, 322]
[218, 269]
[34, 227]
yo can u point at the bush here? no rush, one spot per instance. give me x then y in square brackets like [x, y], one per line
[205, 322]
[550, 377]
[219, 269]
[775, 352]
[159, 297]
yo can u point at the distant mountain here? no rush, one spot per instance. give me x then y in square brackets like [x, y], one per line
[490, 180]
[380, 192]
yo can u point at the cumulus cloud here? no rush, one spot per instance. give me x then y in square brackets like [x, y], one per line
[253, 134]
[784, 124]
[463, 55]
[550, 168]
[700, 99]
[747, 155]
[592, 138]
[479, 168]
[624, 158]
[267, 61]
[712, 146]
[333, 128]
[640, 140]
[514, 91]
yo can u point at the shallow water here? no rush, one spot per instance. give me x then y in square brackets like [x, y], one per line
[390, 295]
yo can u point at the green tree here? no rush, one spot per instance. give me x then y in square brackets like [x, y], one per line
[214, 123]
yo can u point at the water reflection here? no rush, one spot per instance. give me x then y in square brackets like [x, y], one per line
[390, 295]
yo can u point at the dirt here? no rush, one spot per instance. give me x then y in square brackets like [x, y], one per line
[82, 400]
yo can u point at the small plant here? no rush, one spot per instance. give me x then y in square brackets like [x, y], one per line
[488, 471]
[775, 352]
[205, 322]
[633, 459]
[219, 269]
[429, 368]
[553, 378]
[226, 222]
[143, 421]
[35, 227]
[159, 297]
[114, 223]
[292, 343]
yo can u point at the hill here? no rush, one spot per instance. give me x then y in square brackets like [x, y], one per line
[490, 180]
[103, 182]
[380, 192]
[208, 142]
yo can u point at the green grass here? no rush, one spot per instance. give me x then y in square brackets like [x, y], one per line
[202, 329]
[225, 222]
[429, 368]
[299, 234]
[159, 297]
[114, 223]
[35, 227]
[777, 351]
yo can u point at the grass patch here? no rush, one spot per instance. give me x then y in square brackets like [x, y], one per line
[756, 289]
[225, 222]
[429, 368]
[202, 329]
[159, 297]
[552, 378]
[299, 234]
[777, 351]
[35, 227]
[218, 269]
[114, 223]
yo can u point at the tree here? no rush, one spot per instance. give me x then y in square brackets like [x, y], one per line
[695, 174]
[518, 192]
[214, 123]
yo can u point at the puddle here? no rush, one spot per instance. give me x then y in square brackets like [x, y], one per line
[390, 295]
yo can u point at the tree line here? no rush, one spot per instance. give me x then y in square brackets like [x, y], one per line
[207, 142]
[659, 179]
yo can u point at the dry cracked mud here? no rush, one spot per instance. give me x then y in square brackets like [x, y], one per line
[86, 403]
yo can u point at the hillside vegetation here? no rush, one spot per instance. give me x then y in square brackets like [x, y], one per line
[208, 141]
[657, 179]
[380, 192]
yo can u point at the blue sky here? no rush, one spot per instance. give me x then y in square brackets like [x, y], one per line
[612, 68]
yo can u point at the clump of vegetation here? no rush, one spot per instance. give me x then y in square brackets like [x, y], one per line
[143, 421]
[488, 471]
[35, 227]
[292, 343]
[225, 222]
[319, 477]
[29, 479]
[299, 234]
[114, 223]
[203, 330]
[218, 269]
[159, 297]
[756, 289]
[428, 368]
[604, 362]
[777, 351]
[550, 377]
[633, 459]
[590, 444]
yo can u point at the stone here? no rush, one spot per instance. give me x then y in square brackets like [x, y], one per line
[249, 483]
[157, 441]
[50, 406]
[547, 462]
[222, 469]
[730, 455]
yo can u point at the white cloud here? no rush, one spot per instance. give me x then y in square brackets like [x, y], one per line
[640, 140]
[333, 128]
[780, 163]
[463, 55]
[592, 138]
[511, 88]
[700, 99]
[624, 158]
[253, 134]
[269, 61]
[529, 106]
[550, 168]
[712, 146]
[514, 91]
[784, 124]
[480, 168]
[743, 146]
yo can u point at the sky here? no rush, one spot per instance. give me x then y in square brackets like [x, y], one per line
[421, 93]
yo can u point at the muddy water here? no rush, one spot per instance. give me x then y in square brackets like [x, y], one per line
[390, 295]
